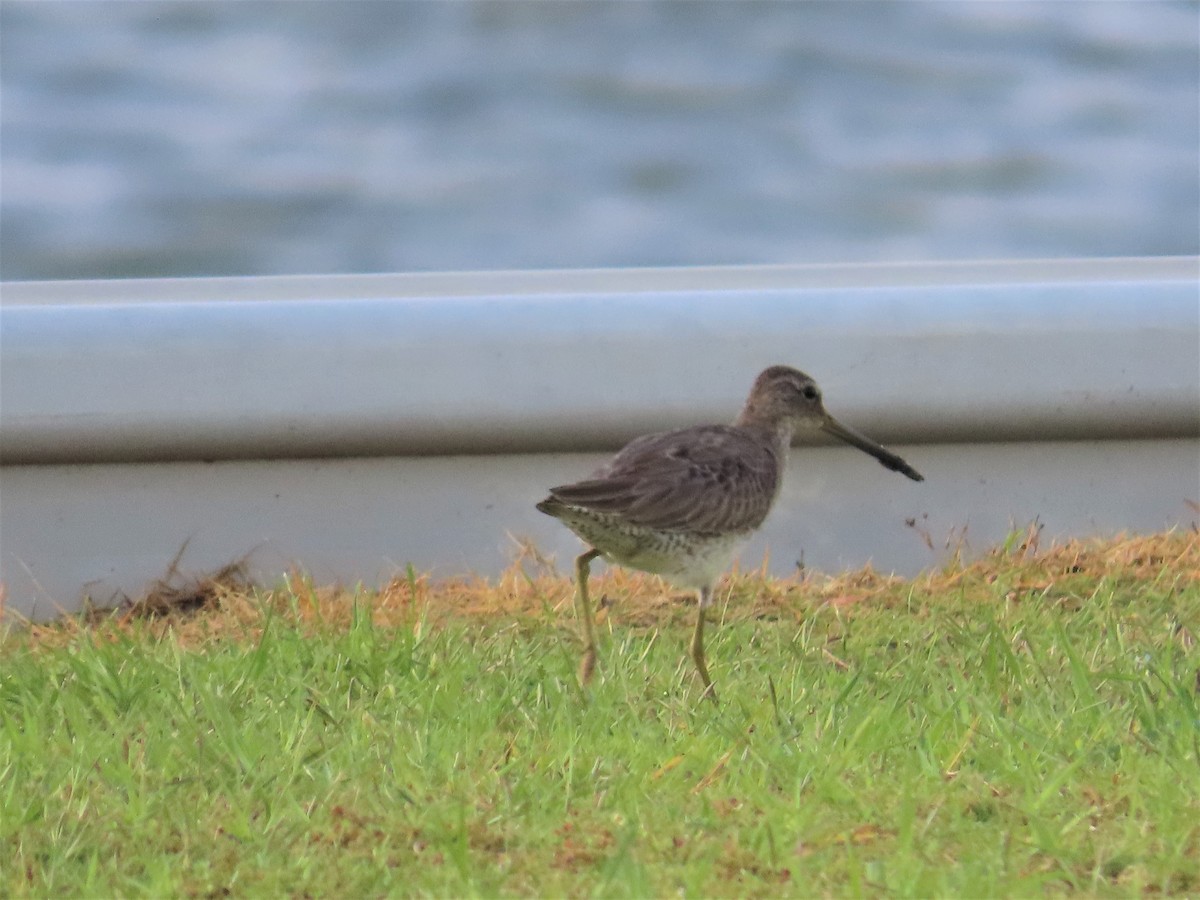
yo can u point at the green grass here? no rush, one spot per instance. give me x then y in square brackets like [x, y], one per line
[1016, 728]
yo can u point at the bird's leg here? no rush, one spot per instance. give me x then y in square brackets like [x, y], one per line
[698, 644]
[583, 609]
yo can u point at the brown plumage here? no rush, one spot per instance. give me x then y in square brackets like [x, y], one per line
[680, 503]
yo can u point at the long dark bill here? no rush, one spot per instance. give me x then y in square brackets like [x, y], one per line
[866, 445]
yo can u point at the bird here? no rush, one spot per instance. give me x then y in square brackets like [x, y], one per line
[680, 503]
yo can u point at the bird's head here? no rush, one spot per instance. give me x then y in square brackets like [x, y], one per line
[786, 400]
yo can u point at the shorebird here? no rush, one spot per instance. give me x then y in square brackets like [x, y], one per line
[680, 503]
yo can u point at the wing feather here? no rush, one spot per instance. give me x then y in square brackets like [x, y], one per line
[710, 479]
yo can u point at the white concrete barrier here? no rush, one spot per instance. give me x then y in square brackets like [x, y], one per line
[350, 425]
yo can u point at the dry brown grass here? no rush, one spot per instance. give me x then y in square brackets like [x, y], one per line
[224, 606]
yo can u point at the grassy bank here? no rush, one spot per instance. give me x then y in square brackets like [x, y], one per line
[1024, 724]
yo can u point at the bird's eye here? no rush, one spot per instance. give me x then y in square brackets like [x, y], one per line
[809, 392]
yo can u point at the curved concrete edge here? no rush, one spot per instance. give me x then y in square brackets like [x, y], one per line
[601, 281]
[338, 366]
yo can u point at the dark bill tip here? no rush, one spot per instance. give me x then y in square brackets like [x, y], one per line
[887, 458]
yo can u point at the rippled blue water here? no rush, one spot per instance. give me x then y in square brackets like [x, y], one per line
[183, 138]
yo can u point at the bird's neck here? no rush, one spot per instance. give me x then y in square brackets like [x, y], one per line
[776, 432]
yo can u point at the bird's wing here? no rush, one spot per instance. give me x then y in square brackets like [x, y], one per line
[709, 479]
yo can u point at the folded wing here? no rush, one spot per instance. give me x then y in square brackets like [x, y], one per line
[713, 479]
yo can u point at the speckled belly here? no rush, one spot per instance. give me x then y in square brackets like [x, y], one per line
[686, 559]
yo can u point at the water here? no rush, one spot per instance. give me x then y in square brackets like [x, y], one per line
[179, 138]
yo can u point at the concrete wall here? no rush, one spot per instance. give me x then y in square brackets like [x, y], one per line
[350, 425]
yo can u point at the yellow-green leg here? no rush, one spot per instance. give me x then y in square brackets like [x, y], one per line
[583, 609]
[698, 646]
